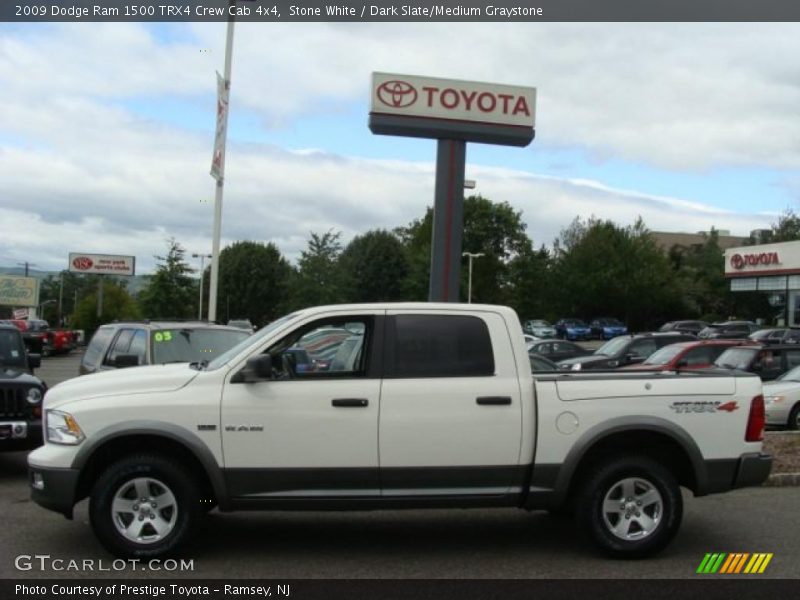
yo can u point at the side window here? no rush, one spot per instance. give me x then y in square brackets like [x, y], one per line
[120, 346]
[792, 359]
[642, 348]
[139, 345]
[699, 356]
[94, 351]
[545, 349]
[326, 348]
[439, 346]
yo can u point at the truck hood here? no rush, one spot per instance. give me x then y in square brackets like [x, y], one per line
[133, 380]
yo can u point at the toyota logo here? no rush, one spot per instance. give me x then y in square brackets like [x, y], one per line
[397, 94]
[82, 263]
[737, 261]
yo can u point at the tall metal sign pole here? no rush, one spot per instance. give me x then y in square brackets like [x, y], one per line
[453, 113]
[218, 162]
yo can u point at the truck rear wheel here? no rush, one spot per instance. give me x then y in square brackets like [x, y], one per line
[630, 507]
[143, 506]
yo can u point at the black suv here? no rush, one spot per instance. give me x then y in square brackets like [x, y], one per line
[21, 393]
[728, 330]
[624, 350]
[693, 327]
[133, 343]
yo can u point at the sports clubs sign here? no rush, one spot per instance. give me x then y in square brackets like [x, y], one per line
[452, 109]
[102, 264]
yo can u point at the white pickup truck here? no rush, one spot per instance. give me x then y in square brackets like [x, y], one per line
[393, 406]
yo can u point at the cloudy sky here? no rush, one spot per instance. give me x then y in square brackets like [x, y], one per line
[106, 130]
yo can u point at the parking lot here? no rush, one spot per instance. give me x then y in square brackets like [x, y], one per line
[402, 544]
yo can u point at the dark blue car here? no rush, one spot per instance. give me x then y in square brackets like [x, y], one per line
[606, 328]
[573, 329]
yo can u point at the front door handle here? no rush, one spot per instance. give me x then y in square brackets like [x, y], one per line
[350, 402]
[493, 400]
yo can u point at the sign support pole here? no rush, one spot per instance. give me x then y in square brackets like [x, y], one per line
[448, 221]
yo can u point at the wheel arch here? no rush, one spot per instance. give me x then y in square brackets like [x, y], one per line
[117, 441]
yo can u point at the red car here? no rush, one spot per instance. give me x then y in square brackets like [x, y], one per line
[39, 338]
[686, 355]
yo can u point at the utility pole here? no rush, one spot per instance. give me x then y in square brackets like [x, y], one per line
[202, 258]
[27, 265]
[470, 256]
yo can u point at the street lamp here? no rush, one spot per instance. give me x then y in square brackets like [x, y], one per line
[202, 258]
[471, 255]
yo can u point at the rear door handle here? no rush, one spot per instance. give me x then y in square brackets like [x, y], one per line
[350, 402]
[493, 400]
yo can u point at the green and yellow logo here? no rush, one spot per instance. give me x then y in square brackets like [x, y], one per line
[735, 563]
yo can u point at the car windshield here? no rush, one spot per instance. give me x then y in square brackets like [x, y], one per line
[539, 323]
[193, 344]
[250, 340]
[612, 347]
[792, 375]
[12, 352]
[663, 356]
[736, 358]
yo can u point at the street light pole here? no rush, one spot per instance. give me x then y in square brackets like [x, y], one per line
[202, 258]
[470, 256]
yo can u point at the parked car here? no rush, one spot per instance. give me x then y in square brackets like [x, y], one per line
[693, 327]
[573, 329]
[539, 328]
[606, 328]
[728, 330]
[768, 362]
[782, 399]
[541, 363]
[624, 350]
[40, 338]
[21, 393]
[776, 335]
[698, 354]
[133, 343]
[557, 350]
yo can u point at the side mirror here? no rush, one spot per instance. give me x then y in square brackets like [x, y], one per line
[34, 361]
[126, 360]
[682, 363]
[257, 368]
[633, 359]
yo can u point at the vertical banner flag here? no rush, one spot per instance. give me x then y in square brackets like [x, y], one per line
[219, 140]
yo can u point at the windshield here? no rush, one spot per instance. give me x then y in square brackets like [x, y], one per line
[736, 358]
[792, 375]
[12, 352]
[663, 356]
[540, 323]
[193, 344]
[250, 340]
[612, 347]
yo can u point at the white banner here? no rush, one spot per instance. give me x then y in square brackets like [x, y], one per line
[102, 264]
[218, 159]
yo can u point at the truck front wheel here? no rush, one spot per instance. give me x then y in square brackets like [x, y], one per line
[630, 507]
[143, 506]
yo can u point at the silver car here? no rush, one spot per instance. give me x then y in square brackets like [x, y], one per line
[782, 400]
[539, 328]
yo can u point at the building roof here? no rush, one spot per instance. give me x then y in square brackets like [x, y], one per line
[667, 239]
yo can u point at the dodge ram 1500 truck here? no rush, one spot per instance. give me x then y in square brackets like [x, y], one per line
[402, 406]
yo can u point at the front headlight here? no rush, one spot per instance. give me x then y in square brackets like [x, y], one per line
[62, 428]
[774, 399]
[576, 367]
[34, 395]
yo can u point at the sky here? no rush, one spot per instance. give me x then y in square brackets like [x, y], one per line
[106, 130]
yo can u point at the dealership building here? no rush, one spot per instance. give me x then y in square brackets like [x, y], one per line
[770, 268]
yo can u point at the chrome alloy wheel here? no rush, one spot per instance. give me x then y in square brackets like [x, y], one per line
[632, 509]
[144, 510]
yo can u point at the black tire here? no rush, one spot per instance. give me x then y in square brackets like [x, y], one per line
[164, 473]
[794, 418]
[642, 530]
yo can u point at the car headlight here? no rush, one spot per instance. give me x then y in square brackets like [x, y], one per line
[63, 429]
[34, 395]
[576, 367]
[774, 399]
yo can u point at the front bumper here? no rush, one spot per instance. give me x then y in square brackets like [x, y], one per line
[54, 489]
[19, 434]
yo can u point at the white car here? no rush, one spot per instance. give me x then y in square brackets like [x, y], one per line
[782, 399]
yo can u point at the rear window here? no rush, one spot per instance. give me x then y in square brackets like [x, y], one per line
[439, 346]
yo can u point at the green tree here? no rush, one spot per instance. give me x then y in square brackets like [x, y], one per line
[531, 285]
[76, 287]
[254, 282]
[118, 305]
[170, 292]
[317, 280]
[374, 267]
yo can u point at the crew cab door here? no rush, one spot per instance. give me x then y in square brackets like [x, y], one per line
[450, 421]
[311, 430]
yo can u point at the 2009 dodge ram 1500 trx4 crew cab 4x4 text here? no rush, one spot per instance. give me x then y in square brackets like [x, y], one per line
[393, 406]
